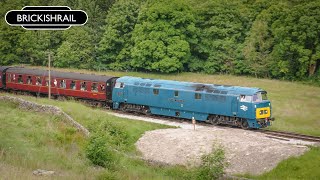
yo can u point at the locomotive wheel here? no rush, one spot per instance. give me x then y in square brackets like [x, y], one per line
[214, 120]
[244, 124]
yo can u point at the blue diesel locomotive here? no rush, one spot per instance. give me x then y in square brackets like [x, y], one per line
[217, 104]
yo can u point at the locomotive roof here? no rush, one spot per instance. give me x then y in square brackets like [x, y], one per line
[59, 74]
[188, 86]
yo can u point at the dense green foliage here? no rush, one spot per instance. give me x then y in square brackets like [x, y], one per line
[274, 39]
[212, 165]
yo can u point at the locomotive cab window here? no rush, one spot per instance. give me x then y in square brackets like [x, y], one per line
[155, 91]
[176, 93]
[83, 86]
[260, 96]
[197, 96]
[245, 98]
[94, 87]
[20, 79]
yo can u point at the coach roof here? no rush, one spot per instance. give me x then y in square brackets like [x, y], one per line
[3, 68]
[58, 74]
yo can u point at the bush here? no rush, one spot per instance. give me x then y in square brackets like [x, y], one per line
[118, 135]
[212, 165]
[99, 152]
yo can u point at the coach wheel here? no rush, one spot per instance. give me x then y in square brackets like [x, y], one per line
[244, 124]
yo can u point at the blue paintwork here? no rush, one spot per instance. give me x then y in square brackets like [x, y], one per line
[140, 91]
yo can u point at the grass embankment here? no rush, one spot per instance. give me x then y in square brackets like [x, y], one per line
[304, 167]
[295, 105]
[29, 141]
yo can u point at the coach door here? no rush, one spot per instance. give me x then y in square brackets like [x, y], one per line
[110, 85]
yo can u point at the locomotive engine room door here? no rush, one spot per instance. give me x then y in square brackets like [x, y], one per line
[234, 106]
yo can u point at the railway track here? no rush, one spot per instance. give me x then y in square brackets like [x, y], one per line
[273, 134]
[290, 135]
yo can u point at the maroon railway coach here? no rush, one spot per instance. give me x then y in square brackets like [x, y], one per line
[84, 86]
[2, 76]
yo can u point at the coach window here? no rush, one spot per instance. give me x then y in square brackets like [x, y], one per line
[29, 80]
[102, 88]
[47, 81]
[9, 78]
[197, 96]
[176, 93]
[94, 87]
[83, 86]
[73, 85]
[38, 81]
[20, 79]
[55, 82]
[155, 91]
[63, 84]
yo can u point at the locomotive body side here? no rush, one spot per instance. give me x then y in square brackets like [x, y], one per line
[205, 102]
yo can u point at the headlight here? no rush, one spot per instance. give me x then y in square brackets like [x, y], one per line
[261, 112]
[265, 111]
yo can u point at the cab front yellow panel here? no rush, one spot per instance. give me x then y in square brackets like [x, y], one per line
[263, 112]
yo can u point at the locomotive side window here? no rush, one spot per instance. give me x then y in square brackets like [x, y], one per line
[197, 96]
[73, 85]
[176, 93]
[122, 85]
[245, 98]
[155, 91]
[29, 80]
[63, 84]
[38, 81]
[20, 79]
[94, 87]
[83, 86]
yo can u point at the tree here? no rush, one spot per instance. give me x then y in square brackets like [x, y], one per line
[161, 37]
[222, 32]
[76, 50]
[114, 48]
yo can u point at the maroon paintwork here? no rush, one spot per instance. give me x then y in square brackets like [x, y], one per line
[26, 80]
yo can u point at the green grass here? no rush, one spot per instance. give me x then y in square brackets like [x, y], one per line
[37, 140]
[306, 167]
[51, 144]
[30, 141]
[295, 105]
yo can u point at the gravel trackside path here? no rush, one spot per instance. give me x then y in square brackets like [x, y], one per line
[246, 151]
